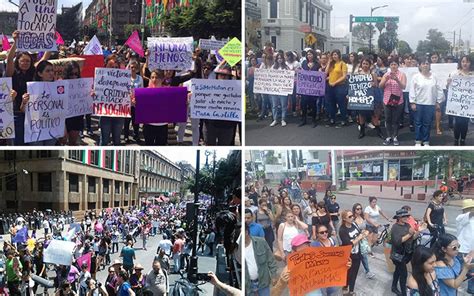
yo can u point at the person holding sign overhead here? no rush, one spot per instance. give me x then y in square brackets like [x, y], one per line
[426, 93]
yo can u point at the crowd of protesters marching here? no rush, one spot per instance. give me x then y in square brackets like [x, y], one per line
[24, 272]
[416, 107]
[287, 219]
[25, 67]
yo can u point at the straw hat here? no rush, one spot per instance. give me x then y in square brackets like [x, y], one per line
[138, 266]
[467, 203]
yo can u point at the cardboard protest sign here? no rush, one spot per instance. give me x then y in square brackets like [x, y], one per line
[112, 92]
[409, 73]
[170, 53]
[90, 63]
[442, 72]
[79, 98]
[310, 83]
[7, 124]
[93, 47]
[461, 97]
[361, 93]
[45, 111]
[314, 268]
[211, 44]
[274, 82]
[60, 64]
[159, 105]
[59, 252]
[232, 51]
[37, 25]
[216, 99]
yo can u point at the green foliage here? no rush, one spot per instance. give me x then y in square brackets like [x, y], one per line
[451, 162]
[435, 42]
[362, 31]
[204, 18]
[365, 50]
[270, 157]
[404, 48]
[388, 40]
[380, 26]
[69, 23]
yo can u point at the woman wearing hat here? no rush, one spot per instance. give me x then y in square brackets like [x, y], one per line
[137, 279]
[403, 237]
[465, 233]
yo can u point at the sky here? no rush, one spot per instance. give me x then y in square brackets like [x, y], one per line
[5, 5]
[416, 17]
[189, 155]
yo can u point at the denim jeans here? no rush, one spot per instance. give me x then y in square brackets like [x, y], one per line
[337, 98]
[255, 290]
[282, 102]
[423, 120]
[111, 126]
[266, 105]
[365, 262]
[177, 261]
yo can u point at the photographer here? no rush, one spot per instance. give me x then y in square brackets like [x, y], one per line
[95, 289]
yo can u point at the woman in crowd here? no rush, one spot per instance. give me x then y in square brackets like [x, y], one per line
[309, 64]
[282, 208]
[136, 82]
[461, 124]
[266, 100]
[361, 223]
[293, 65]
[426, 94]
[156, 134]
[435, 216]
[371, 214]
[337, 71]
[393, 83]
[402, 238]
[323, 62]
[137, 279]
[296, 210]
[333, 209]
[365, 69]
[451, 270]
[250, 80]
[423, 281]
[287, 231]
[279, 101]
[324, 240]
[322, 216]
[264, 217]
[351, 235]
[74, 125]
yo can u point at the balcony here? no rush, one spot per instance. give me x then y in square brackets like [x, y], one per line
[271, 23]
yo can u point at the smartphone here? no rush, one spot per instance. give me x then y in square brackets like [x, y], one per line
[203, 277]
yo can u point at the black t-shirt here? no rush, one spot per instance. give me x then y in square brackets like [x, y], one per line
[312, 192]
[254, 196]
[324, 220]
[437, 213]
[333, 208]
[349, 234]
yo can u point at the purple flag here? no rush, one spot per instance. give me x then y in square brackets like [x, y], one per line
[21, 235]
[161, 105]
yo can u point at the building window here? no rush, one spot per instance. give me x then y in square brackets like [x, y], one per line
[117, 187]
[43, 154]
[11, 182]
[11, 204]
[45, 182]
[91, 184]
[119, 161]
[318, 19]
[323, 20]
[273, 8]
[74, 206]
[127, 188]
[109, 159]
[105, 183]
[105, 204]
[288, 7]
[95, 157]
[274, 41]
[76, 155]
[127, 162]
[116, 204]
[300, 10]
[91, 205]
[73, 183]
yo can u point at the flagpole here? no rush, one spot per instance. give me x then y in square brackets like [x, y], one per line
[143, 22]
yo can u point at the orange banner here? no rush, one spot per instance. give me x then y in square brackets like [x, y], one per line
[314, 268]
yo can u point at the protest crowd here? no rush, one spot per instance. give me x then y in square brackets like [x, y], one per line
[66, 262]
[295, 238]
[151, 95]
[371, 90]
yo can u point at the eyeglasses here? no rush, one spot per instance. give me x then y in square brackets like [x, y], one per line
[323, 232]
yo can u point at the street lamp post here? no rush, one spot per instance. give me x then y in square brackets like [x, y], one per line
[372, 9]
[193, 263]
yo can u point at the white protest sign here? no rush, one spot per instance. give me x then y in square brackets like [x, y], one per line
[37, 25]
[80, 98]
[45, 111]
[112, 92]
[274, 82]
[211, 44]
[216, 99]
[461, 97]
[93, 47]
[409, 73]
[443, 71]
[7, 125]
[59, 252]
[170, 53]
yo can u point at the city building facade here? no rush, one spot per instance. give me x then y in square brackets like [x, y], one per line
[8, 22]
[75, 180]
[188, 173]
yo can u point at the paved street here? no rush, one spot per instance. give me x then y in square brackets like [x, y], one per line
[261, 134]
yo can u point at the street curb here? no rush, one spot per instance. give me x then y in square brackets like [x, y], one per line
[449, 203]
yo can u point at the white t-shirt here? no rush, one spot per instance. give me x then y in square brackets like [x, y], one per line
[166, 245]
[251, 262]
[373, 214]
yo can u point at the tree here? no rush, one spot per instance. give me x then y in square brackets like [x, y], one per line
[364, 49]
[362, 31]
[451, 162]
[388, 40]
[435, 42]
[404, 48]
[380, 26]
[204, 18]
[69, 23]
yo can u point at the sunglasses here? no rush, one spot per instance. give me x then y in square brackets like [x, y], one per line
[323, 232]
[333, 198]
[350, 217]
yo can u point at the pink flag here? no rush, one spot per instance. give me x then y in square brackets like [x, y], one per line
[59, 39]
[5, 43]
[85, 259]
[135, 44]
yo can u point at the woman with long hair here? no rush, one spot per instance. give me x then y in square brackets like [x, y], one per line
[136, 82]
[74, 125]
[423, 281]
[156, 134]
[362, 224]
[435, 216]
[266, 100]
[293, 65]
[279, 101]
[337, 71]
[322, 216]
[264, 217]
[287, 231]
[310, 64]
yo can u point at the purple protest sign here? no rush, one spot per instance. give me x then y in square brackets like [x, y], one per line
[160, 105]
[310, 83]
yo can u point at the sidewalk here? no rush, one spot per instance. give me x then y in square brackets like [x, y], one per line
[391, 193]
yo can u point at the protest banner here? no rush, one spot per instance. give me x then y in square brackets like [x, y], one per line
[211, 44]
[80, 97]
[170, 53]
[59, 252]
[7, 124]
[87, 259]
[112, 92]
[314, 268]
[274, 82]
[37, 26]
[135, 44]
[60, 64]
[216, 99]
[443, 71]
[59, 39]
[45, 111]
[76, 226]
[232, 51]
[361, 93]
[93, 47]
[159, 105]
[409, 73]
[310, 83]
[461, 97]
[90, 63]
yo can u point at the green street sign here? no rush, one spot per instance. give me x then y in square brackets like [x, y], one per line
[375, 19]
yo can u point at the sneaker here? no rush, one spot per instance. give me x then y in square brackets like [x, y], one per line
[418, 144]
[427, 144]
[387, 141]
[274, 122]
[283, 123]
[370, 125]
[330, 123]
[395, 142]
[370, 275]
